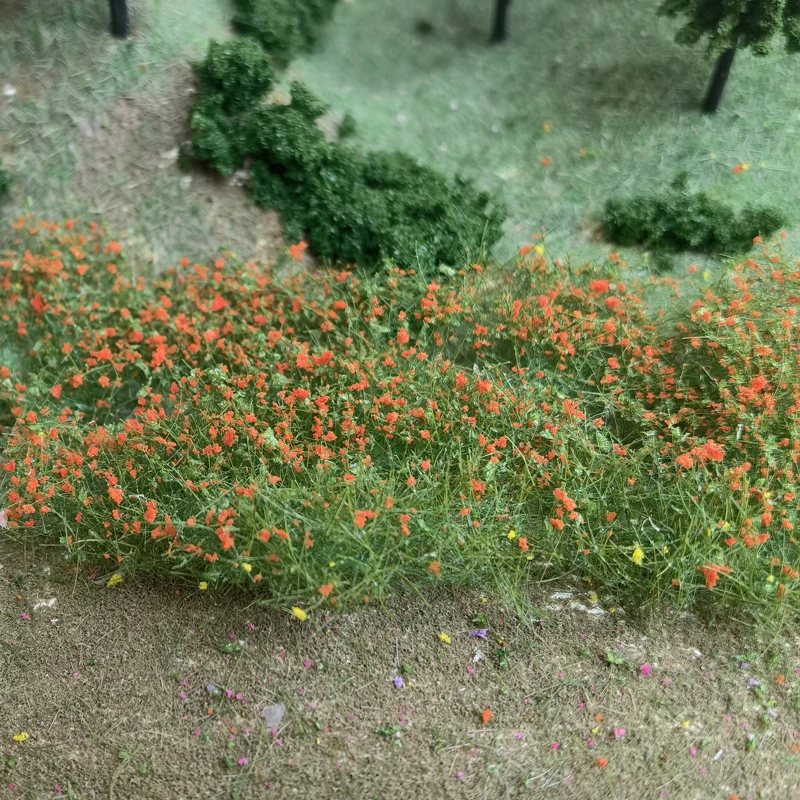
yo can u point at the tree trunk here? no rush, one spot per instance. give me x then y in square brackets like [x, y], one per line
[499, 27]
[722, 69]
[119, 18]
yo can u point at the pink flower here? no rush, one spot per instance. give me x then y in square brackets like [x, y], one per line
[242, 762]
[554, 746]
[645, 669]
[619, 733]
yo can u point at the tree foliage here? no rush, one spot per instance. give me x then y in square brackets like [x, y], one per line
[750, 23]
[283, 27]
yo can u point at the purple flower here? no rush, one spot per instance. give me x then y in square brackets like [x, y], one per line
[752, 683]
[480, 633]
[398, 682]
[645, 669]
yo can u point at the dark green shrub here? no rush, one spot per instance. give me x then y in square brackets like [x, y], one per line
[283, 27]
[350, 206]
[5, 183]
[347, 127]
[678, 219]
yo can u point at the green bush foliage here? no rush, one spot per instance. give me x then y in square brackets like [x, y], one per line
[348, 126]
[5, 183]
[283, 27]
[678, 219]
[350, 206]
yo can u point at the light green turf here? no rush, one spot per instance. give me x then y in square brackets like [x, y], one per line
[65, 66]
[607, 75]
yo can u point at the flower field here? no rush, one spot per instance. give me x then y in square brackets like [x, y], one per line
[324, 438]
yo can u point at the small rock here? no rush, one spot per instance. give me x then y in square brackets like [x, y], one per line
[272, 715]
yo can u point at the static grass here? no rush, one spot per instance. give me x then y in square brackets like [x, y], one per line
[620, 96]
[65, 68]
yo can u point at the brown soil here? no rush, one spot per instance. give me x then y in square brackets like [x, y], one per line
[127, 173]
[112, 686]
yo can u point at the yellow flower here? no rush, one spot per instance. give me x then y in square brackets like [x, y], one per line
[666, 550]
[299, 613]
[547, 127]
[115, 580]
[538, 249]
[770, 578]
[21, 737]
[685, 723]
[331, 563]
[444, 638]
[247, 567]
[706, 275]
[202, 586]
[638, 556]
[512, 534]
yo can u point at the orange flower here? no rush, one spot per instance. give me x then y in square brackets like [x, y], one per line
[434, 567]
[56, 391]
[218, 303]
[712, 571]
[523, 544]
[486, 715]
[546, 162]
[150, 513]
[296, 250]
[326, 589]
[602, 763]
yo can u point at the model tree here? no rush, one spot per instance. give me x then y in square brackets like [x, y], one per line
[499, 25]
[119, 18]
[731, 25]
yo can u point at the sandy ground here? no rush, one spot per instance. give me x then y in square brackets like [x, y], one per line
[148, 690]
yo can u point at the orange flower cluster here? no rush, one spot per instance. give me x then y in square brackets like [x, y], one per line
[326, 433]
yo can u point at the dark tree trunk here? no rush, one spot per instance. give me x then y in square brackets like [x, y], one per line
[722, 69]
[119, 18]
[499, 26]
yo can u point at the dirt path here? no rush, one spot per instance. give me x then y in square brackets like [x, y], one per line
[158, 691]
[128, 174]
